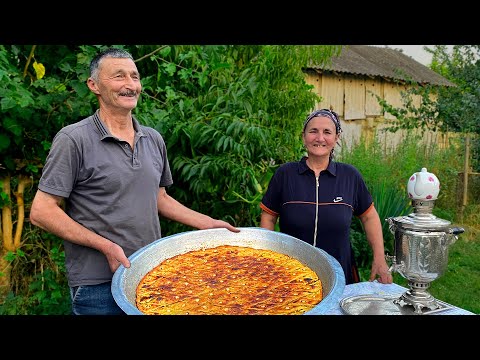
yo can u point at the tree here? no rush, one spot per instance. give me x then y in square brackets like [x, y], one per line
[459, 107]
[447, 109]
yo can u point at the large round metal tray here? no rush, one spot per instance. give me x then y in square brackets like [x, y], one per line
[125, 280]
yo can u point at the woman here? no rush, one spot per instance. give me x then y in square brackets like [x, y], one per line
[315, 199]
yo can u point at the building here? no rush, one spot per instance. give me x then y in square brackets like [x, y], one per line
[348, 85]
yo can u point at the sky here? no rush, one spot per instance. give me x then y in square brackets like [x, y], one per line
[415, 51]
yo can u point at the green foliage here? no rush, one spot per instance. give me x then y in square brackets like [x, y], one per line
[223, 111]
[459, 105]
[389, 202]
[48, 296]
[361, 249]
[34, 106]
[39, 285]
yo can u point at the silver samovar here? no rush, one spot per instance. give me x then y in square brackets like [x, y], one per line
[421, 242]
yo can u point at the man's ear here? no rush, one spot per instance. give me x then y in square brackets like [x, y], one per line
[92, 85]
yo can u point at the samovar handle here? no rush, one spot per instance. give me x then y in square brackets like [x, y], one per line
[454, 232]
[457, 230]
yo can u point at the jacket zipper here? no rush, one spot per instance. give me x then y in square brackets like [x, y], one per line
[316, 211]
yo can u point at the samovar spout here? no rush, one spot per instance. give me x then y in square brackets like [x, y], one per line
[391, 259]
[394, 266]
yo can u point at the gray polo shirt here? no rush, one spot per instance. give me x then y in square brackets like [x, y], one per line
[108, 188]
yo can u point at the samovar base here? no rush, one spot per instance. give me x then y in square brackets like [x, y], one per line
[418, 297]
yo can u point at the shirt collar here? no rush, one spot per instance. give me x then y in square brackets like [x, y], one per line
[302, 166]
[104, 131]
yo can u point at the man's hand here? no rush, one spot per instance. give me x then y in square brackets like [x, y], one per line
[116, 256]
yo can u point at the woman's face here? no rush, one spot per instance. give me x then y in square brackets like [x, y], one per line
[319, 136]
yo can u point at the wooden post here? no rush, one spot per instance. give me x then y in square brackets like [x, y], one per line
[466, 171]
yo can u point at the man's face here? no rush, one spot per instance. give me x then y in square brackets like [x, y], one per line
[119, 83]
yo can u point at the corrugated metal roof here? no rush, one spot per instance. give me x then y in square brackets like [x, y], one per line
[383, 62]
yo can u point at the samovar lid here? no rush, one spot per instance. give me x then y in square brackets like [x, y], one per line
[422, 221]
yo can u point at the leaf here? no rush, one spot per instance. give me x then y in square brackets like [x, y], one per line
[170, 69]
[4, 142]
[39, 70]
[7, 103]
[13, 126]
[80, 88]
[3, 74]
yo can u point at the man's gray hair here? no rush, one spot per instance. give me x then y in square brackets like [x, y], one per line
[108, 53]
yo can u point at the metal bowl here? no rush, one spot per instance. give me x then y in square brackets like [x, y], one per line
[329, 271]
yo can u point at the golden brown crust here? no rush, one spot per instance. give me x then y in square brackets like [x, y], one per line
[229, 280]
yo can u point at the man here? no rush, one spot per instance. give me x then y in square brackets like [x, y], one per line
[103, 187]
